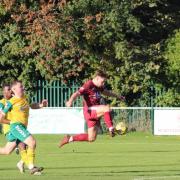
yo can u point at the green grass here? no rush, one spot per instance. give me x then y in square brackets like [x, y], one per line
[136, 156]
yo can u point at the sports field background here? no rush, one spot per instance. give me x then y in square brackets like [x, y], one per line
[134, 156]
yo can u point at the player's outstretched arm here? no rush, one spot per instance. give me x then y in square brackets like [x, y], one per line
[111, 94]
[72, 98]
[5, 121]
[44, 103]
[2, 118]
[3, 113]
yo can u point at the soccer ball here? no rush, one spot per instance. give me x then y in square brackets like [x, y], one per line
[121, 128]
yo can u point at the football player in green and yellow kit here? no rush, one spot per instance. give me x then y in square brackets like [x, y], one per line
[18, 109]
[7, 94]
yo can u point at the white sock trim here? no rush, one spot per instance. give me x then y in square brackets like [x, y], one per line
[71, 139]
[30, 166]
[111, 128]
[21, 161]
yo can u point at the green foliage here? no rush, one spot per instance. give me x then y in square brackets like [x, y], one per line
[67, 40]
[169, 98]
[11, 44]
[173, 51]
[172, 54]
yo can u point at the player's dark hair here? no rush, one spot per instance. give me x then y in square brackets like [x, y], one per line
[15, 82]
[101, 74]
[5, 85]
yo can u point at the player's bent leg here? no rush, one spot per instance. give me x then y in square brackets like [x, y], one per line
[105, 111]
[21, 146]
[101, 109]
[30, 141]
[79, 137]
[23, 154]
[24, 157]
[20, 166]
[64, 141]
[8, 148]
[89, 137]
[109, 123]
[19, 131]
[92, 134]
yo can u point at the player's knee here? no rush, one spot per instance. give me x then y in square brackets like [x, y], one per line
[106, 108]
[32, 143]
[21, 146]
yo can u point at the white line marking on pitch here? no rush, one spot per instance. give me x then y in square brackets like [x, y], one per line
[160, 177]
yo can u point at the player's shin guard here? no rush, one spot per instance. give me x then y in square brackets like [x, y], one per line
[31, 157]
[108, 120]
[24, 157]
[80, 137]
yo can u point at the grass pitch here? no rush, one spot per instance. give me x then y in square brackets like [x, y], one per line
[135, 156]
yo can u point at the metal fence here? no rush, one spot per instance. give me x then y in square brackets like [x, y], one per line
[136, 118]
[56, 92]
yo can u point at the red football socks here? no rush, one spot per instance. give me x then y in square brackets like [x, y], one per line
[108, 119]
[80, 137]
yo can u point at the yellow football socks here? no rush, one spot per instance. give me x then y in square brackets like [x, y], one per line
[24, 157]
[31, 157]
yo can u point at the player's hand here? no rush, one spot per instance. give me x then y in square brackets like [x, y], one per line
[122, 98]
[44, 103]
[2, 116]
[68, 103]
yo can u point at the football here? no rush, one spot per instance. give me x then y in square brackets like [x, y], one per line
[121, 128]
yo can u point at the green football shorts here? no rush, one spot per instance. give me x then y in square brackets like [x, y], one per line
[17, 132]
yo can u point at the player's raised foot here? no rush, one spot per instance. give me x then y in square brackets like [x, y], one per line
[112, 133]
[36, 171]
[20, 166]
[64, 141]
